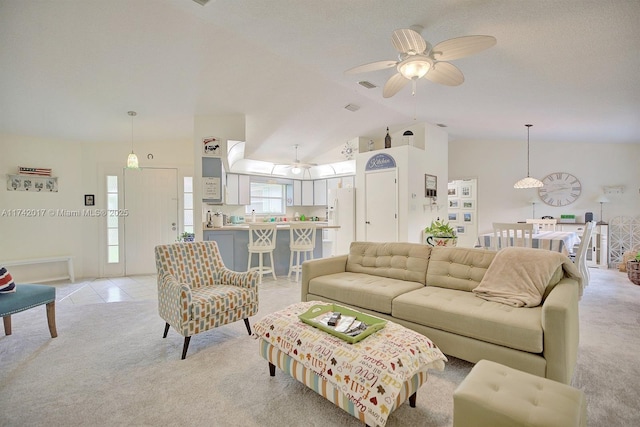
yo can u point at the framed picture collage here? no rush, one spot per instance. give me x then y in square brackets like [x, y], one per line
[462, 209]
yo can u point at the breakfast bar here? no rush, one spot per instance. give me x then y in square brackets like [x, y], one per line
[232, 241]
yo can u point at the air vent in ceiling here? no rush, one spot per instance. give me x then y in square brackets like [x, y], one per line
[352, 107]
[367, 84]
[442, 125]
[202, 2]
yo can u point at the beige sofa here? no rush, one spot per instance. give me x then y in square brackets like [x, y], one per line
[429, 290]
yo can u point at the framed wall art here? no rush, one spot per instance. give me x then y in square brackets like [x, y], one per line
[430, 185]
[466, 191]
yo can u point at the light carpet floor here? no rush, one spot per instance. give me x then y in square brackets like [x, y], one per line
[110, 366]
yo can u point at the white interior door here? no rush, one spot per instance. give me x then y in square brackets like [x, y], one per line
[151, 199]
[381, 206]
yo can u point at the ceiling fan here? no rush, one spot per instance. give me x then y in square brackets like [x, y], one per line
[417, 59]
[297, 166]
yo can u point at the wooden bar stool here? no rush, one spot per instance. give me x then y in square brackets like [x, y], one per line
[302, 240]
[262, 240]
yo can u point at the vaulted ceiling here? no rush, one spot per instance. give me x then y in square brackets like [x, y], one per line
[72, 69]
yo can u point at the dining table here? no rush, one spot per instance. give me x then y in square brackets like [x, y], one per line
[559, 241]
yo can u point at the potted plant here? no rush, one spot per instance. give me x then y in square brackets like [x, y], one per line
[633, 269]
[440, 233]
[186, 237]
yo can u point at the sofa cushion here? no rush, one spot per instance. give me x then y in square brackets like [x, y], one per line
[465, 314]
[458, 268]
[361, 290]
[402, 261]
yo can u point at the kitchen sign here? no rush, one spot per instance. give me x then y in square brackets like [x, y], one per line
[380, 161]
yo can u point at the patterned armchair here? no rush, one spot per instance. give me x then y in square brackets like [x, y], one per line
[196, 292]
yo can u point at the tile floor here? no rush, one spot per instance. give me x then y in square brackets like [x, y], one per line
[130, 288]
[113, 289]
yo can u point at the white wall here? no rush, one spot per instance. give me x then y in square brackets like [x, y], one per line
[80, 168]
[498, 165]
[415, 211]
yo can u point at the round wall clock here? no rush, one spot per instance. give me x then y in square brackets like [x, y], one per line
[560, 189]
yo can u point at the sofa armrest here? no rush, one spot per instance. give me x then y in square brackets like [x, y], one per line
[321, 267]
[560, 324]
[174, 298]
[248, 279]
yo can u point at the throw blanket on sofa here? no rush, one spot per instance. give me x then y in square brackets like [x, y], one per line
[519, 276]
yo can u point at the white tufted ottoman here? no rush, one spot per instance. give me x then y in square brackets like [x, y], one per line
[494, 395]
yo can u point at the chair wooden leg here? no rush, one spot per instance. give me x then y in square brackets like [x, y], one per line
[273, 266]
[166, 330]
[185, 347]
[246, 323]
[7, 324]
[51, 318]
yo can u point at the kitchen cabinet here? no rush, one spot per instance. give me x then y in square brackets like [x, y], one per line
[307, 193]
[212, 180]
[238, 189]
[297, 193]
[320, 192]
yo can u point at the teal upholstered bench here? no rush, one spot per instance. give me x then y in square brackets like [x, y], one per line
[25, 297]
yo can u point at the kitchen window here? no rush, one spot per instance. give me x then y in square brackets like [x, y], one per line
[267, 199]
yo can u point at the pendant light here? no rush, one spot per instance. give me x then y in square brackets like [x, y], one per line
[132, 160]
[528, 182]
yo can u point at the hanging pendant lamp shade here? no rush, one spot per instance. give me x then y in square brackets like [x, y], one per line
[528, 182]
[132, 160]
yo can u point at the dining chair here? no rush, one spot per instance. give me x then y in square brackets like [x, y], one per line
[580, 257]
[302, 242]
[512, 234]
[262, 240]
[543, 224]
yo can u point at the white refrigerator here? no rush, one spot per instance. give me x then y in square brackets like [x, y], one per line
[341, 211]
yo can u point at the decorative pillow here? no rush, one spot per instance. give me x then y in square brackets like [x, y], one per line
[6, 281]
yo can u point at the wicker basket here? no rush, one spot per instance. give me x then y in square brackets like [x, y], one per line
[633, 271]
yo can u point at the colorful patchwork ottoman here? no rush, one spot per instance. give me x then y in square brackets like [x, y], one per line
[368, 379]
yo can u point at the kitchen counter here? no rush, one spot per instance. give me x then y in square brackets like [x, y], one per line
[233, 240]
[279, 225]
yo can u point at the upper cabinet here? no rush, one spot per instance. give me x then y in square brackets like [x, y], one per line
[297, 193]
[212, 180]
[307, 193]
[238, 189]
[320, 192]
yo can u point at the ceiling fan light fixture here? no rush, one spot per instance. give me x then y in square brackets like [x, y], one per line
[296, 170]
[414, 67]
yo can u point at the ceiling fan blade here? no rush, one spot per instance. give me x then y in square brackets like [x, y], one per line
[460, 47]
[393, 85]
[445, 73]
[373, 66]
[406, 40]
